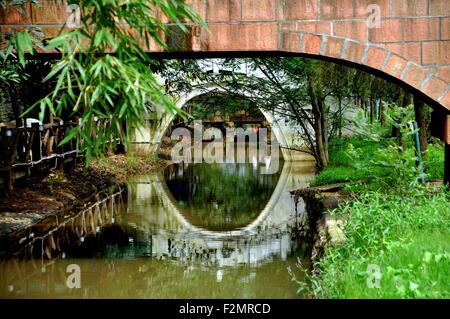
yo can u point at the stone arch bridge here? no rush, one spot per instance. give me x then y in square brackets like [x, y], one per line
[149, 137]
[406, 41]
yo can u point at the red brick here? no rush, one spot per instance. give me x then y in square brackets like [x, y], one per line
[314, 27]
[50, 12]
[289, 26]
[375, 58]
[397, 30]
[434, 88]
[240, 37]
[361, 7]
[395, 66]
[389, 31]
[291, 41]
[154, 46]
[446, 101]
[410, 51]
[445, 29]
[436, 52]
[444, 73]
[439, 7]
[421, 29]
[15, 15]
[222, 11]
[199, 6]
[356, 30]
[311, 44]
[258, 10]
[354, 52]
[333, 47]
[414, 76]
[300, 9]
[280, 10]
[409, 8]
[159, 14]
[332, 9]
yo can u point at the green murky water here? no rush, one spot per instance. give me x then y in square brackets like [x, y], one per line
[190, 231]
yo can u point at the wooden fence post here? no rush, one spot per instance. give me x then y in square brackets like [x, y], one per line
[36, 143]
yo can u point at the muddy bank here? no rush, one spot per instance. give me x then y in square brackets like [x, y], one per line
[35, 200]
[323, 229]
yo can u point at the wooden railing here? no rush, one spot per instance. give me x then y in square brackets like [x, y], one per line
[22, 149]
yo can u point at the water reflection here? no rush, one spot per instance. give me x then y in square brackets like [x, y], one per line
[156, 248]
[220, 196]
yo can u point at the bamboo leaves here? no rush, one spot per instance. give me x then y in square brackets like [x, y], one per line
[104, 76]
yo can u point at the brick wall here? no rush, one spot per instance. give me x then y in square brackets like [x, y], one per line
[411, 44]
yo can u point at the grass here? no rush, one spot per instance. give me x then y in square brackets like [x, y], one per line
[124, 166]
[399, 228]
[346, 168]
[406, 235]
[434, 162]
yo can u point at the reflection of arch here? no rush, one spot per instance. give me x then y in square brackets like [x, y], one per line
[167, 118]
[250, 229]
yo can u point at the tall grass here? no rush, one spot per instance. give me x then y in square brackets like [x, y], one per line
[406, 235]
[393, 225]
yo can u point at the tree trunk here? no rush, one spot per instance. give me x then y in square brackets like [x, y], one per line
[419, 110]
[340, 117]
[372, 110]
[320, 128]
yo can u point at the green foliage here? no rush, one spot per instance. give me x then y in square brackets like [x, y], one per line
[288, 87]
[371, 131]
[377, 165]
[378, 160]
[434, 162]
[229, 204]
[107, 90]
[406, 233]
[14, 46]
[391, 222]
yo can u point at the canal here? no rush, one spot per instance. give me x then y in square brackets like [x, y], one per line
[188, 231]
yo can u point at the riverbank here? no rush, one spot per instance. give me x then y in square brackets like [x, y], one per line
[397, 231]
[34, 200]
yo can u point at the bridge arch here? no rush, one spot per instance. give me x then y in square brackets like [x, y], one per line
[165, 118]
[374, 59]
[411, 42]
[410, 45]
[252, 228]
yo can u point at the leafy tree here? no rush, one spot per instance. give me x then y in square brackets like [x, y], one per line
[104, 75]
[13, 46]
[302, 90]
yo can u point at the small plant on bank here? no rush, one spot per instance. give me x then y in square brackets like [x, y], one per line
[398, 231]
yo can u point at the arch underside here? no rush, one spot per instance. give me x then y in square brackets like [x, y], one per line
[166, 119]
[366, 56]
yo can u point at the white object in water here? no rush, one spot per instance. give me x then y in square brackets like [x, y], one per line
[254, 162]
[219, 275]
[267, 160]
